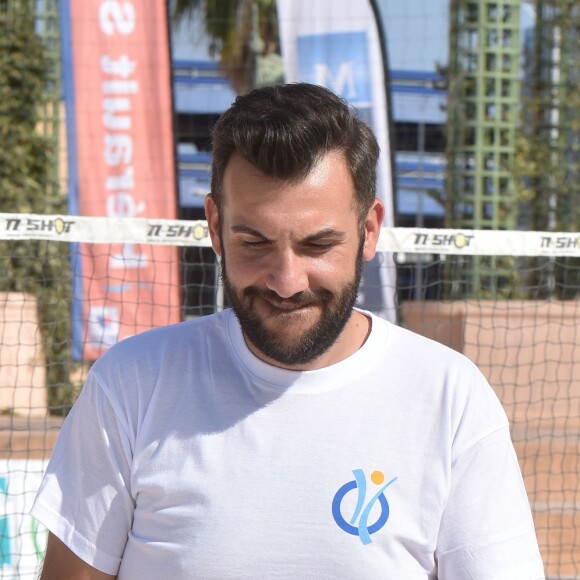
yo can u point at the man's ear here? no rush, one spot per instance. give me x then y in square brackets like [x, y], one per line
[372, 228]
[213, 223]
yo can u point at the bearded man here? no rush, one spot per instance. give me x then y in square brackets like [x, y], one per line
[293, 435]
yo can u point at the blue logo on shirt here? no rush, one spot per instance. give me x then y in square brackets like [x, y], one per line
[358, 524]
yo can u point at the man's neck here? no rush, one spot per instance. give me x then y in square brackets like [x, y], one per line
[350, 340]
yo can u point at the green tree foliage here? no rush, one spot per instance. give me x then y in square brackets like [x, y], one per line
[24, 155]
[548, 154]
[37, 267]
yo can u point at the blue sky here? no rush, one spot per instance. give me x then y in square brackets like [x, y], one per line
[417, 33]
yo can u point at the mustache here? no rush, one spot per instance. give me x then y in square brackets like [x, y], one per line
[305, 298]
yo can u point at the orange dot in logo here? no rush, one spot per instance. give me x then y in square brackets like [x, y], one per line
[377, 477]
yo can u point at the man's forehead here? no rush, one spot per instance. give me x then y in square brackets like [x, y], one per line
[333, 163]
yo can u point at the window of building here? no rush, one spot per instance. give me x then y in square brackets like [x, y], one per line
[408, 138]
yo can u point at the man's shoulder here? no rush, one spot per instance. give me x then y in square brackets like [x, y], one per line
[187, 336]
[426, 362]
[403, 340]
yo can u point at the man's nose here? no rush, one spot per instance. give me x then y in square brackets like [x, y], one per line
[287, 275]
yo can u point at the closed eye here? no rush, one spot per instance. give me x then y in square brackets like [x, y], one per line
[324, 240]
[249, 237]
[320, 246]
[255, 243]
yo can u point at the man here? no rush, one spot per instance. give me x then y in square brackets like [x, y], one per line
[294, 436]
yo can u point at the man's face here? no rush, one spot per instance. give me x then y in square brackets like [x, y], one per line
[292, 257]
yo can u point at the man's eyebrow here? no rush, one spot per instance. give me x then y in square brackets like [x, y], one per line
[320, 235]
[326, 233]
[241, 229]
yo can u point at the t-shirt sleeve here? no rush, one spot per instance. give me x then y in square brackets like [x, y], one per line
[85, 497]
[487, 531]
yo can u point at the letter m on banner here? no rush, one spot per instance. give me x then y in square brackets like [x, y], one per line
[117, 79]
[342, 83]
[335, 43]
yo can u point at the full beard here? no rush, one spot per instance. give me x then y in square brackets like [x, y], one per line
[336, 309]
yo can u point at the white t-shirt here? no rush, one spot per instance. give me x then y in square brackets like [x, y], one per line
[188, 457]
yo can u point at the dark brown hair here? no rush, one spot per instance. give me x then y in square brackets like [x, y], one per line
[283, 130]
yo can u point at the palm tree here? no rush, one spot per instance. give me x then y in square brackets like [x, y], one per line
[244, 33]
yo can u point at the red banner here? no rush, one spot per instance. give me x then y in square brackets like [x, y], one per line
[125, 163]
